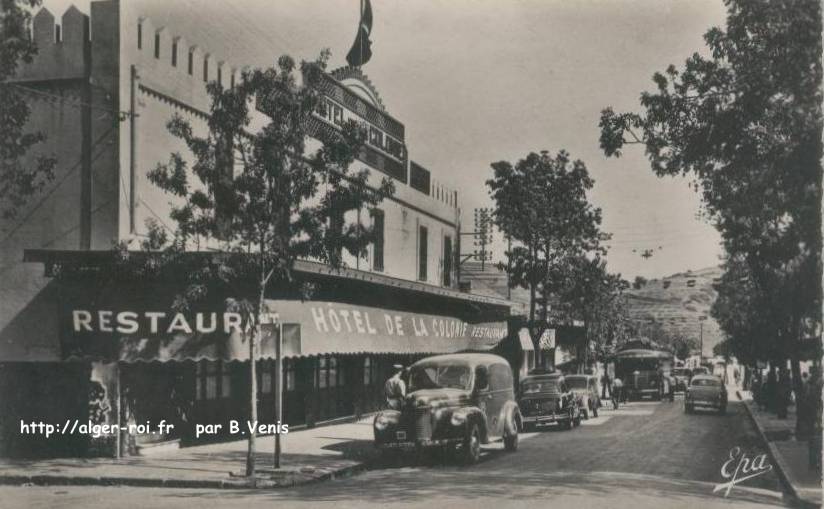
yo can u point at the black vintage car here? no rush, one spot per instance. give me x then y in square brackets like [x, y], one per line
[456, 402]
[547, 399]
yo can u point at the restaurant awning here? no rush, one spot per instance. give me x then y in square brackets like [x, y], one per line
[141, 332]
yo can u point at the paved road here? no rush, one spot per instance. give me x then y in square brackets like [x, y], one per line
[643, 455]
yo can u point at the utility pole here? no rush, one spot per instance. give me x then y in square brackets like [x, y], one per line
[483, 229]
[701, 338]
[482, 237]
[508, 266]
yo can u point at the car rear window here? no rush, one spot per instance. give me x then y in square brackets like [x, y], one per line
[539, 386]
[706, 382]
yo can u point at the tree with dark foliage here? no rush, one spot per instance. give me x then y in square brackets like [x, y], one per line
[20, 176]
[260, 199]
[745, 122]
[541, 204]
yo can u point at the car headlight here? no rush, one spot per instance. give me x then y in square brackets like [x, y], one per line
[458, 419]
[381, 422]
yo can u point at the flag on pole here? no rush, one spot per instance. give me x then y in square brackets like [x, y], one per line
[361, 50]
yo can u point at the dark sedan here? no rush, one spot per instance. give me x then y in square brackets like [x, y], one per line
[547, 399]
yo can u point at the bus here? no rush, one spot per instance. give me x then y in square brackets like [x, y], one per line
[641, 370]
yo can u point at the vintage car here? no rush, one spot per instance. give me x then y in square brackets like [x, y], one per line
[547, 399]
[585, 387]
[455, 402]
[706, 391]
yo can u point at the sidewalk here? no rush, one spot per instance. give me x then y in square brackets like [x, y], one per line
[307, 455]
[789, 456]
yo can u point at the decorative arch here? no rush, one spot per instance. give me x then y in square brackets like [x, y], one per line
[354, 78]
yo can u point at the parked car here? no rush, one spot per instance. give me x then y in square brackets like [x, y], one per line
[706, 391]
[455, 402]
[682, 378]
[585, 387]
[547, 399]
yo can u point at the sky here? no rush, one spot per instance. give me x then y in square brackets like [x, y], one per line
[478, 81]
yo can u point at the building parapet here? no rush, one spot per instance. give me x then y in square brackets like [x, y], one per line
[63, 50]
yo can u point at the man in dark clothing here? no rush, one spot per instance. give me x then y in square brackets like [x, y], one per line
[605, 386]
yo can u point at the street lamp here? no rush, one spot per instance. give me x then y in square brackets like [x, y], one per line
[701, 336]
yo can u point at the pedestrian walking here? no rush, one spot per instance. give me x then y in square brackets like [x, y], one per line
[617, 392]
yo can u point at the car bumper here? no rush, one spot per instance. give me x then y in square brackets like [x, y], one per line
[707, 403]
[416, 444]
[545, 419]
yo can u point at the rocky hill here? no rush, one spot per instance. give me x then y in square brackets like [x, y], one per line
[677, 302]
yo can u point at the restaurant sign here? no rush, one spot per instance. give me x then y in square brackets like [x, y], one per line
[309, 328]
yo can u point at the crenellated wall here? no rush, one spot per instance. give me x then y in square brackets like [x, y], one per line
[77, 209]
[63, 51]
[126, 82]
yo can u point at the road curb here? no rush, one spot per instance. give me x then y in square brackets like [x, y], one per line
[780, 466]
[319, 475]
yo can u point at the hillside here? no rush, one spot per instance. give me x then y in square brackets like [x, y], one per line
[677, 302]
[672, 301]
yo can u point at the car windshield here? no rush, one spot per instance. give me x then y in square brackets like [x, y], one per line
[441, 376]
[706, 382]
[535, 386]
[577, 383]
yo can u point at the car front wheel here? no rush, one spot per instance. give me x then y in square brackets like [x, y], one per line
[472, 445]
[511, 439]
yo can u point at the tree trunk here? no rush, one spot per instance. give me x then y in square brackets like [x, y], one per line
[250, 453]
[539, 358]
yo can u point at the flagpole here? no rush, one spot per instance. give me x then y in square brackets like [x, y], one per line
[360, 21]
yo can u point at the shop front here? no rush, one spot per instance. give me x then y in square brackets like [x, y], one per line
[134, 358]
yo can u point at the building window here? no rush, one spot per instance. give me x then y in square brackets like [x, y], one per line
[199, 381]
[157, 45]
[323, 372]
[174, 54]
[289, 369]
[212, 379]
[139, 36]
[377, 246]
[206, 69]
[447, 261]
[333, 372]
[225, 380]
[423, 239]
[191, 63]
[368, 375]
[266, 378]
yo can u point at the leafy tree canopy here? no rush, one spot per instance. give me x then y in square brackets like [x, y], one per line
[20, 176]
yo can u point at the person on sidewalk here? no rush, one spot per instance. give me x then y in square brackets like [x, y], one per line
[395, 388]
[617, 392]
[784, 390]
[814, 406]
[605, 385]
